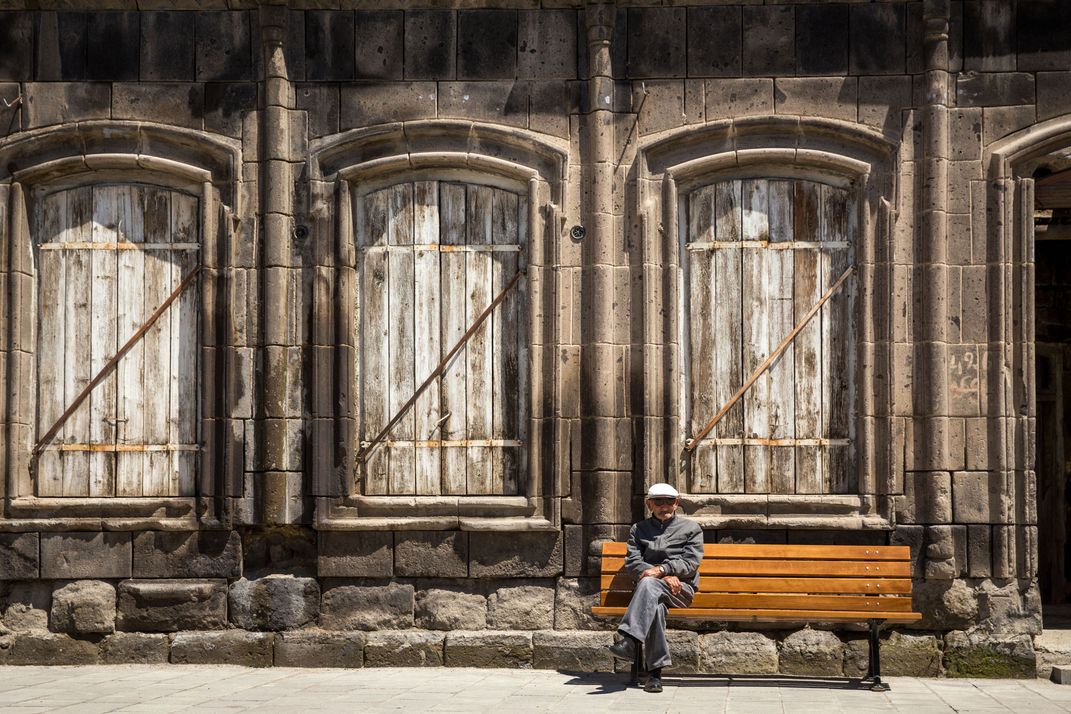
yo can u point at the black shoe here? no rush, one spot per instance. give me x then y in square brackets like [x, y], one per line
[625, 649]
[654, 684]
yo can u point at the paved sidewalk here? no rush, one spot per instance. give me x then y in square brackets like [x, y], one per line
[88, 690]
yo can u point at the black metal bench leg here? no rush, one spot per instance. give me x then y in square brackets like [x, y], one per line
[873, 674]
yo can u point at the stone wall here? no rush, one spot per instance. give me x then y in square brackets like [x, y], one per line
[936, 112]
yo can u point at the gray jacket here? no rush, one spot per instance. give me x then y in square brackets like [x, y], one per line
[676, 545]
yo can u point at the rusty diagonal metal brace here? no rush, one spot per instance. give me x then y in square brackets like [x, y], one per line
[694, 441]
[114, 361]
[363, 453]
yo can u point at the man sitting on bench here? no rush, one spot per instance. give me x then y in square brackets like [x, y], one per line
[664, 552]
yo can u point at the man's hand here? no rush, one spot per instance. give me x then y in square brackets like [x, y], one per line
[655, 572]
[674, 584]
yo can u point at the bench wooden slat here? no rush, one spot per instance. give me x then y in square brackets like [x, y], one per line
[753, 615]
[789, 568]
[787, 552]
[622, 582]
[736, 601]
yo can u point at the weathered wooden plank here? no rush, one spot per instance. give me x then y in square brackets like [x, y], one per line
[104, 340]
[728, 615]
[401, 321]
[79, 328]
[131, 311]
[771, 567]
[375, 341]
[728, 333]
[624, 582]
[780, 376]
[807, 349]
[156, 210]
[835, 325]
[184, 319]
[52, 301]
[453, 386]
[427, 342]
[700, 325]
[836, 603]
[506, 391]
[479, 395]
[782, 552]
[758, 263]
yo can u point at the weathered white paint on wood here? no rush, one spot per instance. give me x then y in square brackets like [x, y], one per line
[768, 251]
[465, 434]
[136, 434]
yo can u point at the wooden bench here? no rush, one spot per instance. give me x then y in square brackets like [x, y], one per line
[785, 583]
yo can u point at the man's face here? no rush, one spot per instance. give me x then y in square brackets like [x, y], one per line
[663, 507]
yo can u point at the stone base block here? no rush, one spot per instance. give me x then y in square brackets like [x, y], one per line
[1061, 675]
[51, 648]
[901, 656]
[737, 653]
[134, 648]
[572, 651]
[319, 648]
[84, 607]
[812, 652]
[489, 649]
[248, 649]
[172, 605]
[407, 648]
[277, 602]
[998, 657]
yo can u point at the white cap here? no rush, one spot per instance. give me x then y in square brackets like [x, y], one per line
[662, 490]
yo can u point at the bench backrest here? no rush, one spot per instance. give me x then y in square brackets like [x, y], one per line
[778, 582]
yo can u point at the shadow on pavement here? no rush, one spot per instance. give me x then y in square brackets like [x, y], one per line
[609, 683]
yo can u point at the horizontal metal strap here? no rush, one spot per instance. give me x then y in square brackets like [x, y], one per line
[450, 443]
[752, 441]
[442, 248]
[778, 245]
[111, 448]
[87, 245]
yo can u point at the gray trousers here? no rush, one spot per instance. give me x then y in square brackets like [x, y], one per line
[645, 618]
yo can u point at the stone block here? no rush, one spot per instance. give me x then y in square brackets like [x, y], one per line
[998, 122]
[48, 648]
[737, 653]
[84, 607]
[976, 497]
[438, 554]
[223, 46]
[504, 102]
[882, 101]
[684, 650]
[204, 554]
[379, 103]
[1042, 30]
[931, 494]
[321, 101]
[64, 102]
[360, 554]
[167, 46]
[812, 652]
[524, 606]
[113, 45]
[901, 656]
[376, 607]
[488, 649]
[573, 600]
[989, 35]
[245, 649]
[25, 605]
[572, 651]
[86, 555]
[979, 555]
[378, 44]
[430, 42]
[450, 608]
[172, 605]
[822, 39]
[833, 97]
[550, 105]
[319, 648]
[412, 648]
[994, 89]
[275, 602]
[19, 556]
[520, 555]
[277, 550]
[977, 655]
[60, 45]
[547, 42]
[225, 106]
[714, 41]
[732, 98]
[769, 40]
[10, 117]
[487, 44]
[654, 42]
[1053, 94]
[329, 45]
[134, 648]
[16, 46]
[583, 546]
[944, 604]
[939, 543]
[877, 39]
